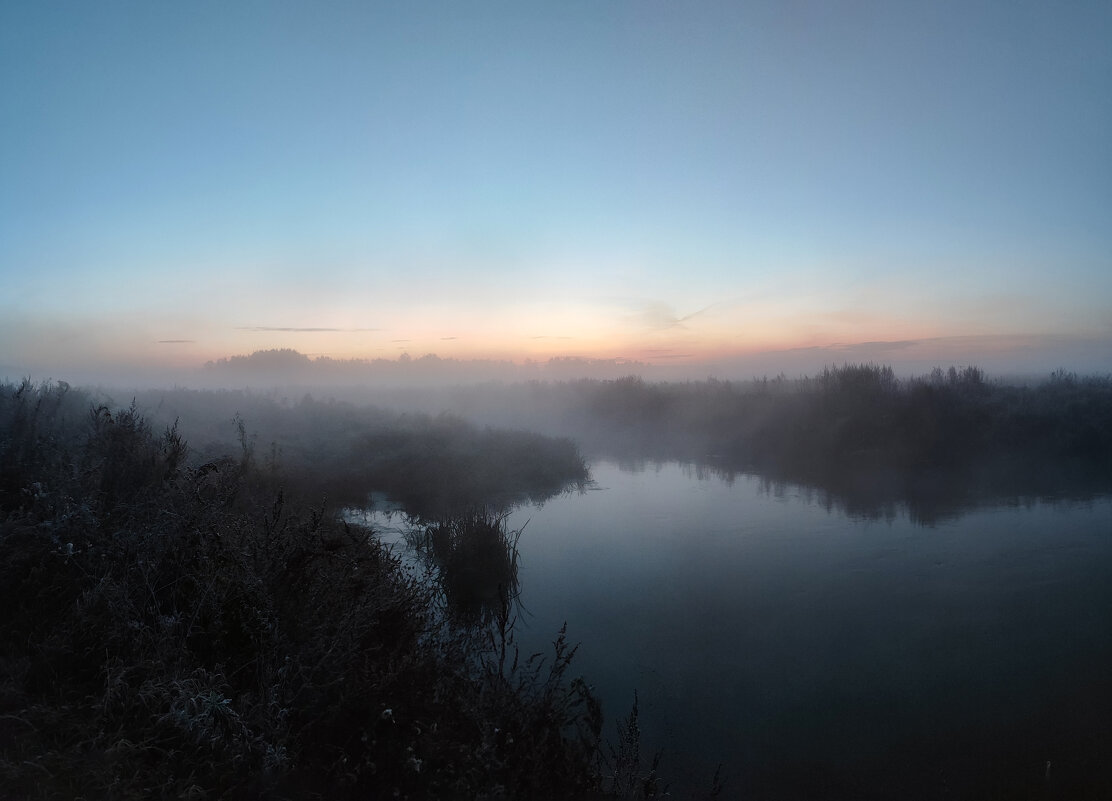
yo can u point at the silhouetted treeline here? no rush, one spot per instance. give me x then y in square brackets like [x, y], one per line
[174, 626]
[870, 438]
[862, 415]
[848, 415]
[858, 414]
[286, 366]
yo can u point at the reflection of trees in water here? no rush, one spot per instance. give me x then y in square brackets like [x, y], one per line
[929, 496]
[863, 441]
[473, 556]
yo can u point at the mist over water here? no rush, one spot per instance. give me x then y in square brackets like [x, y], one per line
[845, 586]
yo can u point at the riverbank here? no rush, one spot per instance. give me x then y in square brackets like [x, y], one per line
[176, 627]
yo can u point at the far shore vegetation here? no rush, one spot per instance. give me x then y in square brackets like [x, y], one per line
[866, 440]
[869, 440]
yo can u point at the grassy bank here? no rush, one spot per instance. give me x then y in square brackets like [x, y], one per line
[178, 627]
[434, 465]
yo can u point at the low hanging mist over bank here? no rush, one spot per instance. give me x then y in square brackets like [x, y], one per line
[872, 440]
[1012, 358]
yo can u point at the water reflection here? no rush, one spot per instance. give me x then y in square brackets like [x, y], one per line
[830, 656]
[927, 497]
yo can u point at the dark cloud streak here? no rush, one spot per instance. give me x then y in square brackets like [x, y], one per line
[293, 330]
[901, 344]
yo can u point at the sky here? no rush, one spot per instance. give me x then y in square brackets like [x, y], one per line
[701, 186]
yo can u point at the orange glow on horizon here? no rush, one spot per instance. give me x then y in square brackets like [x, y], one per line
[654, 347]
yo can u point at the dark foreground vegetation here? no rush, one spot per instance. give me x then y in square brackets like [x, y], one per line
[175, 627]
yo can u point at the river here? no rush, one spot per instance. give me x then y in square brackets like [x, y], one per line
[814, 653]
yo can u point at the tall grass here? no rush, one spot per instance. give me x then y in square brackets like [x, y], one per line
[177, 627]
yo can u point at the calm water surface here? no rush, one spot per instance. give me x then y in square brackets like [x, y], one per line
[818, 655]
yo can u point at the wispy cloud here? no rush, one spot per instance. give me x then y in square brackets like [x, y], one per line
[295, 330]
[858, 348]
[660, 316]
[447, 338]
[655, 354]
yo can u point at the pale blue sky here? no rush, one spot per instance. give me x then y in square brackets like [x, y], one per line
[635, 179]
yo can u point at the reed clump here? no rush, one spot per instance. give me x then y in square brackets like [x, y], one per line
[474, 558]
